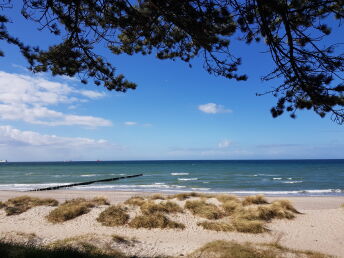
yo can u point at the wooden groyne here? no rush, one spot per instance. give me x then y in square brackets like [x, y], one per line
[84, 183]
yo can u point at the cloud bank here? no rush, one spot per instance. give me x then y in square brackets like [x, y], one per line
[20, 145]
[29, 99]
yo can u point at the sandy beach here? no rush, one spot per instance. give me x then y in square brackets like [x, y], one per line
[319, 227]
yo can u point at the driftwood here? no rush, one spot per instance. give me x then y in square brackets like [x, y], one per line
[84, 183]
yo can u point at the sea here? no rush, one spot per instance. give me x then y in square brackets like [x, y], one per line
[241, 177]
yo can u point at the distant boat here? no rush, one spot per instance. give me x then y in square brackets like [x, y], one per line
[3, 161]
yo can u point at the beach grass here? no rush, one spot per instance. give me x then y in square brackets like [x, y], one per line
[157, 197]
[115, 215]
[18, 205]
[231, 249]
[226, 198]
[203, 209]
[255, 199]
[231, 206]
[249, 226]
[11, 250]
[2, 205]
[73, 208]
[156, 220]
[216, 226]
[135, 201]
[120, 239]
[184, 196]
[225, 249]
[163, 207]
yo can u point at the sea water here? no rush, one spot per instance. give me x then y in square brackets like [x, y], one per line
[270, 177]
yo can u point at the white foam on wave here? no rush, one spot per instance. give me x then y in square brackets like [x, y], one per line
[26, 187]
[89, 175]
[188, 179]
[277, 178]
[179, 174]
[292, 182]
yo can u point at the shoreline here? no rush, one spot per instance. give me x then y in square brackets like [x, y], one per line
[300, 202]
[318, 227]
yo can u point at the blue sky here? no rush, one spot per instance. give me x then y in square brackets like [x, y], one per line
[175, 113]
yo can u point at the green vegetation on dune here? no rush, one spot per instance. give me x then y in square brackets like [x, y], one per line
[73, 208]
[156, 220]
[18, 205]
[115, 215]
[204, 209]
[10, 250]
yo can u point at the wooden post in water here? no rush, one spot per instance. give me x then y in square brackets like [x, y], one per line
[84, 183]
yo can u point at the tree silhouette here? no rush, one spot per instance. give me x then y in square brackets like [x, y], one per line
[294, 32]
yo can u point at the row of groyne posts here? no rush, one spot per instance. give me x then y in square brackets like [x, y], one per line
[84, 183]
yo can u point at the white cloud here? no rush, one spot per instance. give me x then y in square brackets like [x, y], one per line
[212, 108]
[92, 94]
[28, 98]
[224, 144]
[21, 145]
[12, 136]
[130, 123]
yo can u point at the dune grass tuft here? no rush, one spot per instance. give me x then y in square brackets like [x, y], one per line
[249, 226]
[2, 205]
[285, 204]
[217, 226]
[12, 250]
[21, 204]
[98, 201]
[255, 199]
[226, 198]
[184, 196]
[157, 197]
[231, 206]
[120, 239]
[163, 207]
[115, 215]
[71, 209]
[89, 244]
[135, 201]
[157, 220]
[225, 249]
[204, 210]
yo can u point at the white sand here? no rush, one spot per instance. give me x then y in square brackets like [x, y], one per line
[319, 228]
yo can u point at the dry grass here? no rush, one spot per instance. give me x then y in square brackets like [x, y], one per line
[21, 204]
[217, 226]
[120, 239]
[204, 210]
[98, 201]
[135, 201]
[163, 207]
[227, 197]
[89, 244]
[115, 215]
[73, 208]
[157, 197]
[2, 205]
[255, 199]
[285, 204]
[184, 196]
[298, 253]
[249, 226]
[224, 249]
[231, 206]
[231, 249]
[157, 220]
